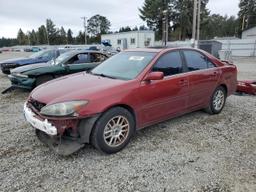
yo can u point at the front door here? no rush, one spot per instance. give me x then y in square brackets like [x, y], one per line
[164, 98]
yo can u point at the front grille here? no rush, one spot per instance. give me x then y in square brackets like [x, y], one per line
[36, 104]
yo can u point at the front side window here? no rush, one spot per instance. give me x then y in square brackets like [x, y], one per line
[195, 60]
[169, 64]
[125, 65]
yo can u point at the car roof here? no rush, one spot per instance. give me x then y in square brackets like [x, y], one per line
[84, 51]
[163, 49]
[152, 50]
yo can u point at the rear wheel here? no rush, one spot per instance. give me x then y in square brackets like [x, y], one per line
[42, 79]
[217, 101]
[113, 131]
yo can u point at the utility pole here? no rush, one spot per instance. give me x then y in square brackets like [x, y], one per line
[198, 21]
[243, 23]
[85, 29]
[165, 27]
[194, 23]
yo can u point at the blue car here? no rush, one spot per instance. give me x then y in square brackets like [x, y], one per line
[39, 57]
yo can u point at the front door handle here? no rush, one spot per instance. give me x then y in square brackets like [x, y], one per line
[183, 82]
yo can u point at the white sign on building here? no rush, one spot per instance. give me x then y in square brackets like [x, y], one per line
[130, 40]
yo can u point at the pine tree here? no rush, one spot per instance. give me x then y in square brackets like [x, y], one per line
[52, 32]
[42, 35]
[21, 37]
[69, 36]
[180, 12]
[80, 38]
[63, 36]
[247, 13]
[33, 37]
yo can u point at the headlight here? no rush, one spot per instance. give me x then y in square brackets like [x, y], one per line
[20, 75]
[69, 108]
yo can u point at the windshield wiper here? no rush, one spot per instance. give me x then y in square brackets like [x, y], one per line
[103, 75]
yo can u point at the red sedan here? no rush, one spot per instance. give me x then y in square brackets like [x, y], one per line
[129, 91]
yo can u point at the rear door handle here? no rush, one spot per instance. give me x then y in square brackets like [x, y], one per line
[214, 74]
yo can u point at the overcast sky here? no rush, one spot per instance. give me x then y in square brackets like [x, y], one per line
[29, 14]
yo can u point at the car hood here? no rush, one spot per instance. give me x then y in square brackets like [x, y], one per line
[26, 68]
[20, 61]
[80, 86]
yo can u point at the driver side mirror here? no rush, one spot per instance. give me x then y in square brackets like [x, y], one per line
[154, 76]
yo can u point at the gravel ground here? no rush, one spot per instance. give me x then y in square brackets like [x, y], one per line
[196, 152]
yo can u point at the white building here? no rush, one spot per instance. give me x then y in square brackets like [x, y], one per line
[249, 33]
[131, 39]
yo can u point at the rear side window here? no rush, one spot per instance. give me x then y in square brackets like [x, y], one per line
[79, 58]
[197, 61]
[169, 64]
[97, 57]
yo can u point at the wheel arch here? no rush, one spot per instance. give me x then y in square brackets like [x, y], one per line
[125, 106]
[225, 87]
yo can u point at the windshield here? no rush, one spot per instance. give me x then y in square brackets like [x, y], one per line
[125, 65]
[62, 58]
[38, 54]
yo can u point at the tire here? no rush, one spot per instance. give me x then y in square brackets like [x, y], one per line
[113, 131]
[218, 100]
[42, 79]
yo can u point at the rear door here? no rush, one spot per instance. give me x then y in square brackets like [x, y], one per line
[77, 63]
[168, 97]
[202, 76]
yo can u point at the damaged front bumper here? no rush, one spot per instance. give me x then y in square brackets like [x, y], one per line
[24, 82]
[42, 125]
[20, 83]
[64, 136]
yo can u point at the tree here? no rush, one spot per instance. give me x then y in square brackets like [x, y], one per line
[125, 29]
[143, 27]
[63, 36]
[33, 37]
[42, 35]
[98, 24]
[180, 12]
[219, 26]
[21, 37]
[80, 38]
[135, 28]
[52, 32]
[69, 36]
[152, 13]
[247, 14]
[6, 42]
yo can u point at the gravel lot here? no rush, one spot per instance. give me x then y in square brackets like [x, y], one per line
[195, 152]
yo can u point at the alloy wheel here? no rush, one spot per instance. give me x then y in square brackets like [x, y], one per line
[116, 131]
[218, 100]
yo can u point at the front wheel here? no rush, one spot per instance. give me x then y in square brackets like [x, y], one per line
[113, 131]
[217, 101]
